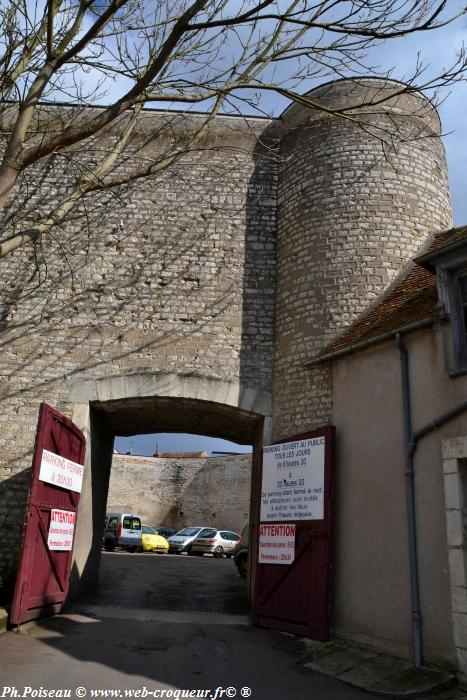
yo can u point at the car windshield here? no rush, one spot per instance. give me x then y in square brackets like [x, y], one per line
[187, 531]
[148, 530]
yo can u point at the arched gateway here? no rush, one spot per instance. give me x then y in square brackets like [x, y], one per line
[142, 403]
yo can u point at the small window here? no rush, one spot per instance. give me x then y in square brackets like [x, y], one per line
[457, 305]
[462, 289]
[207, 532]
[112, 524]
[131, 523]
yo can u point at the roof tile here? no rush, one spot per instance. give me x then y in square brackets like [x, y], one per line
[413, 297]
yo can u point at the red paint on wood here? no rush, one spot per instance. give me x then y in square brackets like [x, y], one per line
[43, 575]
[296, 597]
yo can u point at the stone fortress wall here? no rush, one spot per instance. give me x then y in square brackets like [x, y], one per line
[176, 277]
[234, 265]
[356, 198]
[211, 491]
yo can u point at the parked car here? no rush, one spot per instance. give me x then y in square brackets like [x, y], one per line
[182, 540]
[122, 530]
[241, 552]
[215, 542]
[151, 541]
[165, 531]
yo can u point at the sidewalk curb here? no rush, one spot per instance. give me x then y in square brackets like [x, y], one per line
[393, 686]
[372, 671]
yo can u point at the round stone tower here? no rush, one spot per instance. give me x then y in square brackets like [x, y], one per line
[358, 194]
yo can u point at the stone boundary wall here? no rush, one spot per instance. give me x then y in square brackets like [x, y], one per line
[175, 277]
[179, 492]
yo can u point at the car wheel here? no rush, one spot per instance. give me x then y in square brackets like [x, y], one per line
[218, 552]
[242, 566]
[109, 545]
[131, 549]
[189, 551]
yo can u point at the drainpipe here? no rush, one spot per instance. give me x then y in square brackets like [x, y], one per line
[411, 441]
[410, 447]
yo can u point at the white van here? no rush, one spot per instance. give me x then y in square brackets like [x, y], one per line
[122, 530]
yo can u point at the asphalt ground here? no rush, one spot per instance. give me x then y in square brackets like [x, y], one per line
[160, 623]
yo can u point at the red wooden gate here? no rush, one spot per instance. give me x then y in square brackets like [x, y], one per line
[296, 597]
[42, 581]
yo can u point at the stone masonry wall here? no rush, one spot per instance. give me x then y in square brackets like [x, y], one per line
[213, 491]
[357, 197]
[175, 275]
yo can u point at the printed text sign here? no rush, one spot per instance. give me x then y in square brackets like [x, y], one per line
[61, 471]
[276, 543]
[61, 529]
[293, 480]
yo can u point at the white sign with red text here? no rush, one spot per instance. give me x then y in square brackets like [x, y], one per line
[61, 530]
[60, 471]
[276, 543]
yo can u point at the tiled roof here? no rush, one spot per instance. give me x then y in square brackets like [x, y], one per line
[412, 298]
[442, 242]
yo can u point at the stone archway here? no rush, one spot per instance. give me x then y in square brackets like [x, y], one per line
[138, 403]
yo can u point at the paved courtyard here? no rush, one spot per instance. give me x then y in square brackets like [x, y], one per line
[161, 623]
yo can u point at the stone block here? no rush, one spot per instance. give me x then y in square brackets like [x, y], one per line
[459, 599]
[457, 566]
[455, 528]
[460, 629]
[450, 466]
[453, 491]
[454, 448]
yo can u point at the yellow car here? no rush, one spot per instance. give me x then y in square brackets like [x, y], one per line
[152, 542]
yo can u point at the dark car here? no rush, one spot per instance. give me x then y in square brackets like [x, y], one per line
[241, 552]
[165, 531]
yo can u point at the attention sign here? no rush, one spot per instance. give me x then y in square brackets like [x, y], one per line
[293, 480]
[276, 543]
[61, 530]
[61, 471]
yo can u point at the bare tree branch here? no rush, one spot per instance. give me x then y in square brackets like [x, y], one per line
[133, 53]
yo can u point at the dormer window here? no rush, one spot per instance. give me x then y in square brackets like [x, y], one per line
[462, 292]
[447, 258]
[453, 292]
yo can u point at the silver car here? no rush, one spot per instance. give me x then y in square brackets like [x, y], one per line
[215, 542]
[182, 540]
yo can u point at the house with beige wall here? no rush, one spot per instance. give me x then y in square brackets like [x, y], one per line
[399, 397]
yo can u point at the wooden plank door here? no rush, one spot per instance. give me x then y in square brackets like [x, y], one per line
[43, 574]
[296, 597]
